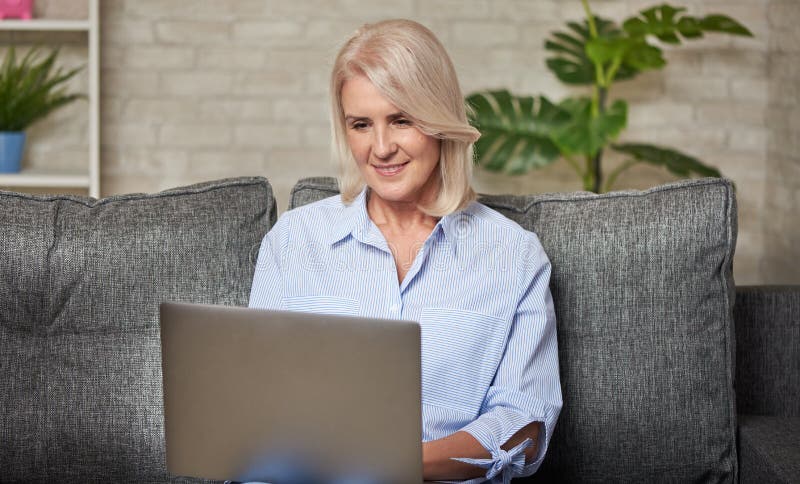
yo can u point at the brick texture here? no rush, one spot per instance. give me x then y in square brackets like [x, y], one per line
[781, 263]
[199, 90]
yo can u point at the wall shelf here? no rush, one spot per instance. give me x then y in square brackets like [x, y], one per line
[46, 25]
[88, 178]
[38, 178]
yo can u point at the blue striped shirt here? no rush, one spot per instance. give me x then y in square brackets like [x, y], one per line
[479, 289]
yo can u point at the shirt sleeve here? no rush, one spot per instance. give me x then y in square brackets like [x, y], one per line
[526, 387]
[267, 289]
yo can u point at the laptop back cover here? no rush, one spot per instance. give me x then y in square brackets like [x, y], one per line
[274, 396]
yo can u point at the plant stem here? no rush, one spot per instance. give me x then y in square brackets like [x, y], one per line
[597, 161]
[598, 172]
[614, 174]
[612, 71]
[590, 18]
[573, 164]
[599, 75]
[588, 175]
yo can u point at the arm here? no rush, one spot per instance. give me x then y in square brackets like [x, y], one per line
[437, 462]
[524, 399]
[266, 291]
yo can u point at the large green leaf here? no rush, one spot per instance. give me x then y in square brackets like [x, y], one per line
[515, 130]
[665, 22]
[676, 162]
[658, 21]
[634, 52]
[585, 133]
[622, 54]
[644, 56]
[724, 24]
[570, 62]
[690, 28]
[604, 50]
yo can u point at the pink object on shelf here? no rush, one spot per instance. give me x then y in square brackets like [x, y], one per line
[22, 9]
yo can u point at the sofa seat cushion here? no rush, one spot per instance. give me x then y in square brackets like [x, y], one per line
[80, 285]
[769, 449]
[643, 289]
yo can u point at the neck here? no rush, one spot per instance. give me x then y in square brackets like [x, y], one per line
[397, 215]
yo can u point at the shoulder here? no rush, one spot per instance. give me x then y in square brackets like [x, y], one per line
[492, 225]
[321, 208]
[310, 221]
[313, 212]
[490, 234]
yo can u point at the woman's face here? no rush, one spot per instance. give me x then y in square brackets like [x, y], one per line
[397, 161]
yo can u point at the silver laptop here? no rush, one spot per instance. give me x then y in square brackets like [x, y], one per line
[274, 396]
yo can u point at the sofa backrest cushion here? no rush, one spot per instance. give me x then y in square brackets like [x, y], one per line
[643, 289]
[81, 281]
[768, 350]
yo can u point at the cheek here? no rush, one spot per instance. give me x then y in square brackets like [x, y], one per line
[420, 145]
[431, 149]
[358, 148]
[435, 148]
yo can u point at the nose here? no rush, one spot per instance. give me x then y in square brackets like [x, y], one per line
[383, 146]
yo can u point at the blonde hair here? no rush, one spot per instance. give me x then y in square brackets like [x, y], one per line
[409, 67]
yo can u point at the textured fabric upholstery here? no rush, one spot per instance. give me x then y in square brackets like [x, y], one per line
[768, 350]
[312, 189]
[643, 291]
[769, 449]
[80, 284]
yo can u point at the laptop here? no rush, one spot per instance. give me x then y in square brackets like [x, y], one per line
[288, 397]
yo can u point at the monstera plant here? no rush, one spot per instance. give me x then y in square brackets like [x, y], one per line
[520, 133]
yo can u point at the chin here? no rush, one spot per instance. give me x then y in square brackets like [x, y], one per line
[390, 195]
[399, 190]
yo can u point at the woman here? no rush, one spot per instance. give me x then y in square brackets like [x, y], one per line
[406, 240]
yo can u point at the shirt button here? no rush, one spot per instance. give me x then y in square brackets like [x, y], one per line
[394, 308]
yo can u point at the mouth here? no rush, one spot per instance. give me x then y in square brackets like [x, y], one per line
[390, 170]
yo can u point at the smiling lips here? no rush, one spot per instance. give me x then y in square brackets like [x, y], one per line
[390, 170]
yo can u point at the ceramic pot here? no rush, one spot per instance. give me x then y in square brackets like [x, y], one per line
[11, 145]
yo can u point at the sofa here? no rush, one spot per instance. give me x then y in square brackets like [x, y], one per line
[670, 373]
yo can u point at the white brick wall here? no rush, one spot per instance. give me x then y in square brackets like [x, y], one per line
[781, 137]
[193, 90]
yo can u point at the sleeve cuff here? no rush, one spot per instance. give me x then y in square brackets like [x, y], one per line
[503, 463]
[492, 429]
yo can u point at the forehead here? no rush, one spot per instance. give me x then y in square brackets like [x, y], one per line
[360, 97]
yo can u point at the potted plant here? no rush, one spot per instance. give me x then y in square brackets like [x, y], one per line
[519, 133]
[29, 90]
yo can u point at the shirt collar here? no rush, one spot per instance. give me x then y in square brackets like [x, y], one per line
[458, 227]
[354, 220]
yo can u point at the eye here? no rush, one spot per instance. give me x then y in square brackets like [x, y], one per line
[359, 125]
[403, 122]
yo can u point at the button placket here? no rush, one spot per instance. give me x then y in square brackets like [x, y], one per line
[395, 301]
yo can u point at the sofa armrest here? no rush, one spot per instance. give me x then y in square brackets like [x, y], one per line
[769, 449]
[767, 322]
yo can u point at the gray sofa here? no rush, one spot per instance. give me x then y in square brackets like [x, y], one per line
[669, 372]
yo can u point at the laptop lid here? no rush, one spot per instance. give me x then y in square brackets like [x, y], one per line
[275, 396]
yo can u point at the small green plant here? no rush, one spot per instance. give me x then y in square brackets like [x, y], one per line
[519, 133]
[31, 89]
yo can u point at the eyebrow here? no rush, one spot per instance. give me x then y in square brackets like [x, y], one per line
[350, 117]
